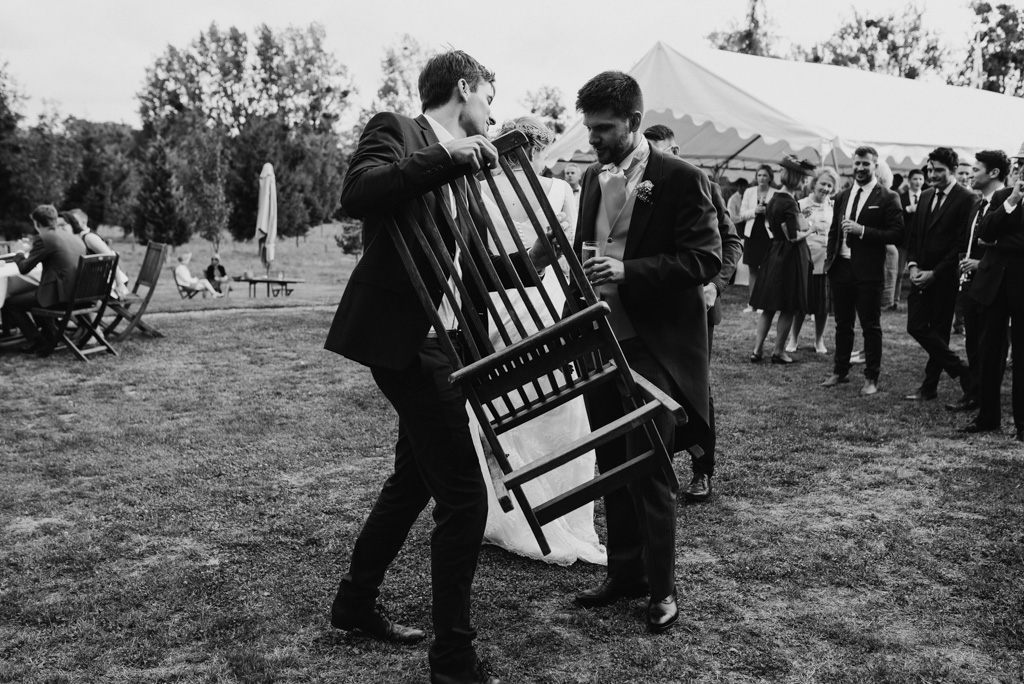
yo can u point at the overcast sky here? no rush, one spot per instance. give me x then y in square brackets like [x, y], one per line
[88, 57]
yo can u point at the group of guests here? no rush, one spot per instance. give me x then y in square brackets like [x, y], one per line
[47, 272]
[961, 240]
[215, 281]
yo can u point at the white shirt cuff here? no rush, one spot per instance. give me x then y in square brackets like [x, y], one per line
[1009, 208]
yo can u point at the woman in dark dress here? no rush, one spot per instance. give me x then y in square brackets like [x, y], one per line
[752, 212]
[786, 270]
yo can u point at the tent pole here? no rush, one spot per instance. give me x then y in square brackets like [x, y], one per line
[719, 167]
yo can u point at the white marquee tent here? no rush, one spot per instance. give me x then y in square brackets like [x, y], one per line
[734, 111]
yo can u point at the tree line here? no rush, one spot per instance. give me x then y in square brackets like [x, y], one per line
[213, 112]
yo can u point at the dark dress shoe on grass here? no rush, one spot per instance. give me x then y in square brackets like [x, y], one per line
[475, 676]
[835, 380]
[610, 591]
[963, 404]
[1020, 436]
[699, 489]
[870, 387]
[975, 427]
[661, 615]
[921, 396]
[374, 623]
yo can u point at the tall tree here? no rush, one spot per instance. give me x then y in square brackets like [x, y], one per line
[888, 43]
[10, 151]
[158, 213]
[202, 171]
[546, 102]
[995, 58]
[108, 178]
[401, 67]
[750, 38]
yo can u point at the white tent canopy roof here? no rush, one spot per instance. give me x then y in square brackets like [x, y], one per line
[745, 110]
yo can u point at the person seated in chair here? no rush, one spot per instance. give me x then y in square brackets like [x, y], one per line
[185, 280]
[58, 251]
[217, 275]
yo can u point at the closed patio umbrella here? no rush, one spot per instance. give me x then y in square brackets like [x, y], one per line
[266, 216]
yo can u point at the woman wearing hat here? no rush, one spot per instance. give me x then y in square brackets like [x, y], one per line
[786, 270]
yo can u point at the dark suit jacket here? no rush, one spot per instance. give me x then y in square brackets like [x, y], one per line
[380, 320]
[1005, 258]
[936, 238]
[881, 214]
[907, 216]
[673, 247]
[732, 250]
[58, 251]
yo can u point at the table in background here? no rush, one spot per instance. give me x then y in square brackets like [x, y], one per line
[275, 286]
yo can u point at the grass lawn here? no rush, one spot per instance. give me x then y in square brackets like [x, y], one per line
[183, 512]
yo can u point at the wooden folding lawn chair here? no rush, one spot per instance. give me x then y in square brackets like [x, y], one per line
[133, 306]
[543, 364]
[185, 291]
[84, 310]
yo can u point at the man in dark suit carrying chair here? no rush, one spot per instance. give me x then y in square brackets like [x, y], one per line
[937, 236]
[381, 323]
[998, 286]
[657, 228]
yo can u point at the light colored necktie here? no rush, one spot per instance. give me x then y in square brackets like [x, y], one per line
[613, 191]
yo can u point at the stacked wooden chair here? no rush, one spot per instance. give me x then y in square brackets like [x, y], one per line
[78, 321]
[133, 306]
[549, 357]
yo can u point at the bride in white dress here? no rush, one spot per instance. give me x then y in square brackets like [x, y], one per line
[572, 537]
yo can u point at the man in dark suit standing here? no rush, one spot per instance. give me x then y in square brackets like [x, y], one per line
[909, 199]
[867, 217]
[663, 139]
[987, 175]
[936, 237]
[380, 323]
[58, 250]
[654, 218]
[998, 287]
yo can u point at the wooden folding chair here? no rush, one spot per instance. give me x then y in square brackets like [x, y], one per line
[548, 358]
[85, 308]
[185, 291]
[133, 306]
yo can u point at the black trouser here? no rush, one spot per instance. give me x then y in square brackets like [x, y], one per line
[995, 317]
[705, 465]
[16, 311]
[929, 319]
[972, 335]
[641, 517]
[434, 459]
[854, 298]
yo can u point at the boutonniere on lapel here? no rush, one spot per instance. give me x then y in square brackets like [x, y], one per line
[645, 192]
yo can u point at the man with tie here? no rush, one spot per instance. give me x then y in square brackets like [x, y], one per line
[998, 287]
[663, 138]
[653, 216]
[909, 199]
[867, 217]
[988, 173]
[936, 237]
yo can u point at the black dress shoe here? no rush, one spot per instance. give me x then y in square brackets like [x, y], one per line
[475, 676]
[963, 404]
[661, 615]
[374, 623]
[610, 591]
[921, 396]
[975, 427]
[699, 489]
[1020, 436]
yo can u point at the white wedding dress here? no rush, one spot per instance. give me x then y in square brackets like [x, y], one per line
[571, 537]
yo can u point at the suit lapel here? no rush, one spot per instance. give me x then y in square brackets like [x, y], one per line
[934, 216]
[872, 197]
[642, 211]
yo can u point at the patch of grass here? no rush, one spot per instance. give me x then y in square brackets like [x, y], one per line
[182, 513]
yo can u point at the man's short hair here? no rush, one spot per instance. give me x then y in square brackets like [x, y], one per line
[45, 215]
[915, 172]
[659, 132]
[866, 151]
[946, 156]
[444, 71]
[571, 165]
[994, 160]
[611, 90]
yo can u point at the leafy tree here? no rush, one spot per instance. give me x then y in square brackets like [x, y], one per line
[889, 44]
[546, 102]
[1000, 46]
[108, 177]
[401, 66]
[158, 213]
[202, 172]
[10, 151]
[752, 38]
